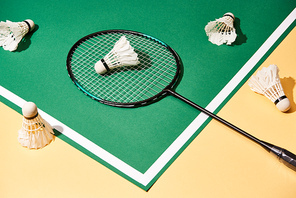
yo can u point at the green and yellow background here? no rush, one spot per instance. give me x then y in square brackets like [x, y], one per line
[217, 163]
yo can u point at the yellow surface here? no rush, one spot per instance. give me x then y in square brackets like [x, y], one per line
[218, 163]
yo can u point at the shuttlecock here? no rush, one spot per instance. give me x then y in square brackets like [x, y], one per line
[267, 83]
[122, 54]
[35, 133]
[221, 30]
[11, 33]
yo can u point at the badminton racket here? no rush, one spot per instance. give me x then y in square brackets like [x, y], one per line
[153, 78]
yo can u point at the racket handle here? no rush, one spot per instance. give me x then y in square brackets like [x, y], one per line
[285, 156]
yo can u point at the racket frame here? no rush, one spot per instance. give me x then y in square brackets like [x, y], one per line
[118, 104]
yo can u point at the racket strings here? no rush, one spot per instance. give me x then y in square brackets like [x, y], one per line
[156, 70]
[83, 64]
[112, 83]
[139, 84]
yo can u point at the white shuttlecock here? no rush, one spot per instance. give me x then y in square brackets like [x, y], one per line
[122, 54]
[221, 30]
[267, 83]
[11, 33]
[35, 133]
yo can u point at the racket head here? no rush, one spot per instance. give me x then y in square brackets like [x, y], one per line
[130, 86]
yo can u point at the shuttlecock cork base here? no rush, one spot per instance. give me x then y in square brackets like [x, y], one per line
[283, 103]
[101, 67]
[35, 133]
[267, 83]
[29, 23]
[29, 110]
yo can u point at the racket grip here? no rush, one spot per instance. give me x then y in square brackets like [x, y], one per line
[285, 156]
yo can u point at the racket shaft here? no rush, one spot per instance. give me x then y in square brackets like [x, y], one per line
[285, 156]
[210, 114]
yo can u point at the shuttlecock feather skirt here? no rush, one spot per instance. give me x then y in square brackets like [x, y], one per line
[35, 133]
[221, 30]
[11, 33]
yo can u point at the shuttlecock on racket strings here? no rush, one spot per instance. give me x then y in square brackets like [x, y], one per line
[122, 54]
[11, 33]
[221, 30]
[267, 83]
[35, 133]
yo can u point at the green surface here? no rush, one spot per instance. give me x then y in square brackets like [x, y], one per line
[37, 70]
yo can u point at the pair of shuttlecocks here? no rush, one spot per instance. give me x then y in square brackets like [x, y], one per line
[222, 30]
[122, 54]
[11, 33]
[36, 132]
[267, 82]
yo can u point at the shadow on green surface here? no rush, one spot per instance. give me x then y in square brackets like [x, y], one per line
[26, 41]
[241, 37]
